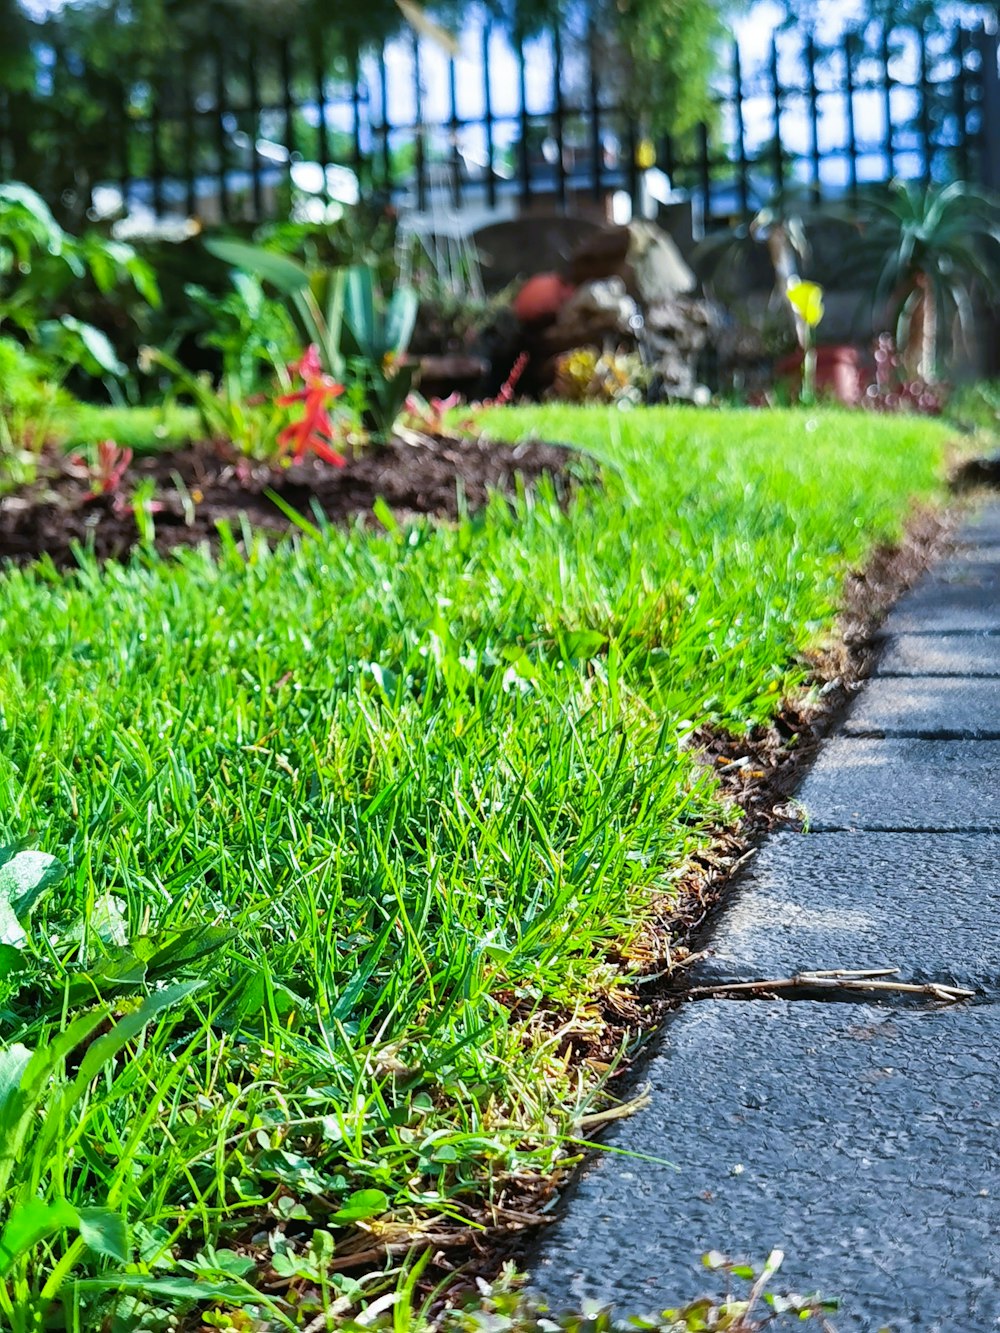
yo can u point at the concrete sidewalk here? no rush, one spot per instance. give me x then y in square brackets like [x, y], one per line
[863, 1139]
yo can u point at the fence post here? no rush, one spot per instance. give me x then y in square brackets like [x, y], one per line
[741, 134]
[776, 109]
[491, 175]
[961, 103]
[594, 92]
[989, 162]
[815, 157]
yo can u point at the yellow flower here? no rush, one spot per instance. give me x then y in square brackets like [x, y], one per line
[807, 299]
[645, 154]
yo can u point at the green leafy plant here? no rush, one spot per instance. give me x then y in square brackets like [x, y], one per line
[41, 341]
[315, 296]
[251, 331]
[376, 336]
[926, 250]
[344, 315]
[44, 1093]
[43, 1096]
[30, 399]
[40, 262]
[364, 233]
[505, 1305]
[252, 423]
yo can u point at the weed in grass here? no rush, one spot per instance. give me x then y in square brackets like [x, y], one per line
[505, 1306]
[395, 800]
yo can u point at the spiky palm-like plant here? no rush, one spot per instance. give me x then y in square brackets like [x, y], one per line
[927, 248]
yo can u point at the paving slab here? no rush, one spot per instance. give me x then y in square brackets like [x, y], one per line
[936, 608]
[906, 784]
[932, 707]
[927, 903]
[862, 1142]
[971, 568]
[974, 551]
[982, 527]
[941, 655]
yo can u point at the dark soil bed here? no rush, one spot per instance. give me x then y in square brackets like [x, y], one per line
[197, 488]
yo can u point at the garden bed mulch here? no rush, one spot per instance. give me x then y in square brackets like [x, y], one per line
[197, 488]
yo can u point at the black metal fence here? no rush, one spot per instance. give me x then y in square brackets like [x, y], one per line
[242, 130]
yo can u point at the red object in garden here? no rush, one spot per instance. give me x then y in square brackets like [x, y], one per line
[505, 394]
[541, 297]
[108, 473]
[315, 430]
[838, 373]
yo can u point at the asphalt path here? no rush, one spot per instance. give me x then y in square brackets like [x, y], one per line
[859, 1134]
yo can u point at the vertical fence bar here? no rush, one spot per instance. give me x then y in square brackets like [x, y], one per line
[491, 179]
[383, 86]
[961, 103]
[926, 93]
[522, 91]
[632, 147]
[851, 126]
[155, 150]
[887, 86]
[319, 85]
[420, 145]
[125, 144]
[813, 94]
[287, 104]
[594, 95]
[705, 173]
[253, 95]
[221, 141]
[777, 151]
[6, 145]
[453, 129]
[559, 113]
[669, 158]
[741, 133]
[54, 119]
[357, 154]
[190, 164]
[989, 110]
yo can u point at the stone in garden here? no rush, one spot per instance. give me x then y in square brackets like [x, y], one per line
[643, 255]
[597, 313]
[520, 247]
[676, 332]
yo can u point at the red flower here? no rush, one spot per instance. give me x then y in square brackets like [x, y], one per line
[314, 431]
[109, 471]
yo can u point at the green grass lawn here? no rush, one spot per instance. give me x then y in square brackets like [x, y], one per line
[396, 801]
[142, 429]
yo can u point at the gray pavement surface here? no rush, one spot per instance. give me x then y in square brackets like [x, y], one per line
[903, 784]
[860, 1138]
[935, 608]
[922, 902]
[947, 708]
[967, 655]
